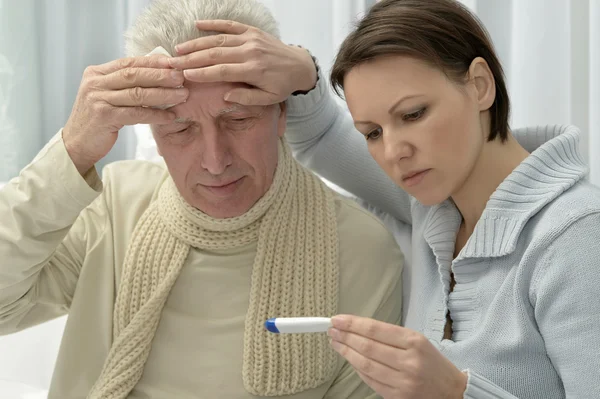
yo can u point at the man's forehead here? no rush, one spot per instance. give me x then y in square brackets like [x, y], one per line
[225, 110]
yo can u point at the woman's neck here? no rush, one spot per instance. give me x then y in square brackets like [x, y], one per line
[496, 162]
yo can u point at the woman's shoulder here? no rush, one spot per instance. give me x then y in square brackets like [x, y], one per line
[575, 203]
[574, 213]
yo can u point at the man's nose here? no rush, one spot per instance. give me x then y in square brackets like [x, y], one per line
[216, 154]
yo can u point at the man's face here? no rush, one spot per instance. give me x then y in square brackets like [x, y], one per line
[222, 156]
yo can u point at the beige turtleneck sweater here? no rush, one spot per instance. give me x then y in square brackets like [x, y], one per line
[62, 243]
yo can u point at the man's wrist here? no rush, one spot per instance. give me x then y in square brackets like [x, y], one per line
[82, 165]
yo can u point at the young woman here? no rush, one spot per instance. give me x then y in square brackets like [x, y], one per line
[501, 299]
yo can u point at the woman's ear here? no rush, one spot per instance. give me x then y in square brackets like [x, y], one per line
[485, 84]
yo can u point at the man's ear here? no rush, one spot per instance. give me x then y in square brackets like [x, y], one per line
[282, 122]
[485, 84]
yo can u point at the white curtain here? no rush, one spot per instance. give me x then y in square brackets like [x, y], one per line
[551, 53]
[44, 47]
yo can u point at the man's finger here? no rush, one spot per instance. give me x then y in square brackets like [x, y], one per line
[152, 61]
[385, 333]
[135, 115]
[209, 57]
[220, 73]
[251, 97]
[138, 96]
[141, 77]
[207, 42]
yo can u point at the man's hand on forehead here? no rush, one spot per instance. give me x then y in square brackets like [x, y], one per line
[118, 93]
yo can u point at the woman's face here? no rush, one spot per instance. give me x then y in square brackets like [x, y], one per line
[424, 130]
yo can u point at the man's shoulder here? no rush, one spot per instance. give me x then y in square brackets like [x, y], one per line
[371, 264]
[361, 229]
[132, 180]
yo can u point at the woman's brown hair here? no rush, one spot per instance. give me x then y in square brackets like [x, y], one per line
[443, 33]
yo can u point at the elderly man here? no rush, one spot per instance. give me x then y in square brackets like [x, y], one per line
[168, 274]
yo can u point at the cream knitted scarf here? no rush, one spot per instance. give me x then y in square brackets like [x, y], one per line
[295, 273]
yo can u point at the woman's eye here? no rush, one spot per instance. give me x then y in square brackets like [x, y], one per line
[413, 116]
[374, 134]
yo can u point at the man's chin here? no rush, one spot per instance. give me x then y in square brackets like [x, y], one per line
[223, 208]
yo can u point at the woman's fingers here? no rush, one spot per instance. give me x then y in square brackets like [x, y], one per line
[385, 333]
[369, 348]
[231, 36]
[369, 367]
[382, 389]
[251, 96]
[225, 26]
[211, 56]
[220, 73]
[208, 42]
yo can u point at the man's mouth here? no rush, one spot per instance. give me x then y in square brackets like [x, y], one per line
[223, 189]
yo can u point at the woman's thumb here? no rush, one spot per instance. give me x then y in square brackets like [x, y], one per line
[245, 96]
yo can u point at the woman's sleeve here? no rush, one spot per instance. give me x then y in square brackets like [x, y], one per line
[323, 139]
[566, 300]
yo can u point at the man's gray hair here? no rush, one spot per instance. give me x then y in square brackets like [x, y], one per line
[167, 23]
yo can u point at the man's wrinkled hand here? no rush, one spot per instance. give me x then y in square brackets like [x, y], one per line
[115, 94]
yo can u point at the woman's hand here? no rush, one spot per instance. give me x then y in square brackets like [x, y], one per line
[245, 54]
[396, 362]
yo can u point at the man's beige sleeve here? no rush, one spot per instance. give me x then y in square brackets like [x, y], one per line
[371, 286]
[46, 219]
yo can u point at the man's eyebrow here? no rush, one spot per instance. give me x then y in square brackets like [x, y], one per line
[233, 108]
[239, 107]
[224, 111]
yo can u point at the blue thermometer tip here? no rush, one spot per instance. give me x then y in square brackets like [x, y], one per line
[270, 326]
